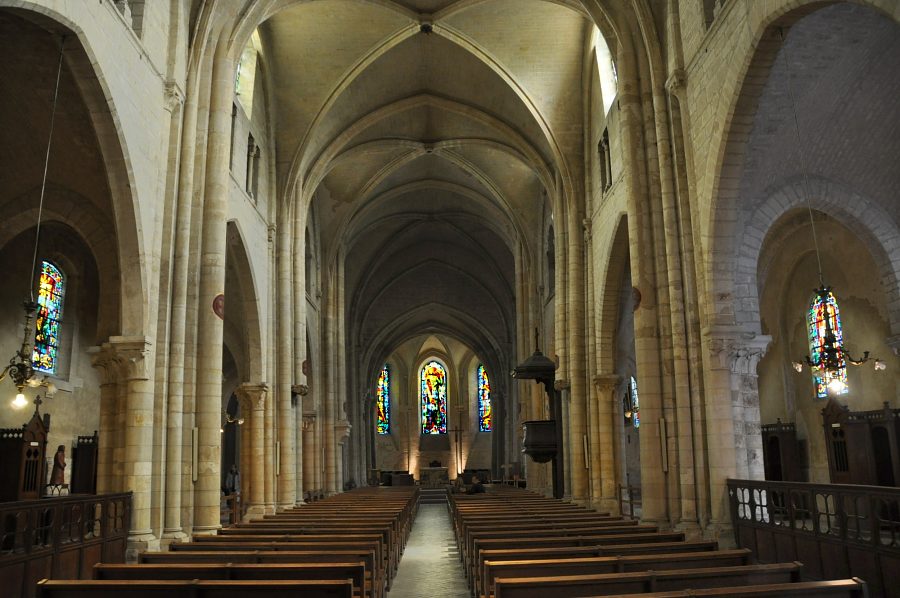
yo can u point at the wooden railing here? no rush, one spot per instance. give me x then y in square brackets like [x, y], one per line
[60, 538]
[834, 530]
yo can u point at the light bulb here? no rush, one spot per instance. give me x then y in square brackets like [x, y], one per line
[880, 365]
[20, 401]
[798, 367]
[221, 430]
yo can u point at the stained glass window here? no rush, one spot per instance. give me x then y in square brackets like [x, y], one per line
[51, 292]
[635, 404]
[824, 306]
[383, 401]
[485, 421]
[434, 398]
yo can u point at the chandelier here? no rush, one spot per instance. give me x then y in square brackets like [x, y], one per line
[829, 356]
[20, 369]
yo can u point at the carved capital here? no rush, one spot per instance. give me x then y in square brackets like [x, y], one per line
[342, 431]
[172, 95]
[122, 358]
[309, 421]
[252, 396]
[300, 389]
[737, 349]
[586, 227]
[103, 360]
[606, 383]
[562, 385]
[675, 83]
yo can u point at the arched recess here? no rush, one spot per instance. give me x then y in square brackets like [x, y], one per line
[85, 69]
[864, 217]
[618, 364]
[770, 25]
[242, 304]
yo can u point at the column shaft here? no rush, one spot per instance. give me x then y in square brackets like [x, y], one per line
[212, 282]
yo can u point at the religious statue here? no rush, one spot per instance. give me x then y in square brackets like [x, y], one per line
[58, 475]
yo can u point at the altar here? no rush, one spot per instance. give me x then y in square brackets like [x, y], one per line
[433, 477]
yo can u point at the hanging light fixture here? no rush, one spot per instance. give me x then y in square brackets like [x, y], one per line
[20, 368]
[830, 357]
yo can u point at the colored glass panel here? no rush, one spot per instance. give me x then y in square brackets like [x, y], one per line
[51, 292]
[434, 398]
[824, 307]
[383, 401]
[485, 423]
[635, 404]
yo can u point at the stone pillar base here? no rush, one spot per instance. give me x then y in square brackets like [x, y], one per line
[173, 537]
[254, 511]
[138, 544]
[200, 531]
[606, 505]
[691, 530]
[721, 532]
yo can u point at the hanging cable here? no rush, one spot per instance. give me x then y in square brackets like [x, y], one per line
[37, 234]
[802, 161]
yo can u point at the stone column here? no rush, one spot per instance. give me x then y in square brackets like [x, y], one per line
[309, 452]
[208, 406]
[299, 391]
[605, 480]
[285, 364]
[341, 437]
[734, 440]
[253, 403]
[132, 354]
[102, 360]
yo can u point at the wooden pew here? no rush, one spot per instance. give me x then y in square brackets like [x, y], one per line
[553, 567]
[267, 557]
[356, 572]
[47, 588]
[519, 540]
[839, 588]
[606, 584]
[322, 543]
[518, 554]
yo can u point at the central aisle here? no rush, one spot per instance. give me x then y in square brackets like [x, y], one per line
[430, 565]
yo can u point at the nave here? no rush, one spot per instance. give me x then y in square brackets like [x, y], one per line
[512, 543]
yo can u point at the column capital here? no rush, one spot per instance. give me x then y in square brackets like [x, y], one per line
[735, 348]
[606, 382]
[252, 395]
[300, 389]
[309, 420]
[676, 82]
[122, 358]
[342, 431]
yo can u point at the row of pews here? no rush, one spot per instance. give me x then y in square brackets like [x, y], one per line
[518, 544]
[344, 546]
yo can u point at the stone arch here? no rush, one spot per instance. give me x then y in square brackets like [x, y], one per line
[252, 330]
[858, 213]
[87, 72]
[722, 215]
[618, 261]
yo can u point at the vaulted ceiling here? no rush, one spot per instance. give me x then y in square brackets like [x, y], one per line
[427, 135]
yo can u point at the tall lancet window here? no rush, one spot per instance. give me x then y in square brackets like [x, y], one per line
[383, 401]
[823, 315]
[485, 418]
[434, 398]
[51, 294]
[635, 403]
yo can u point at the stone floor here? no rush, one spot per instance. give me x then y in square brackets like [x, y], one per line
[430, 565]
